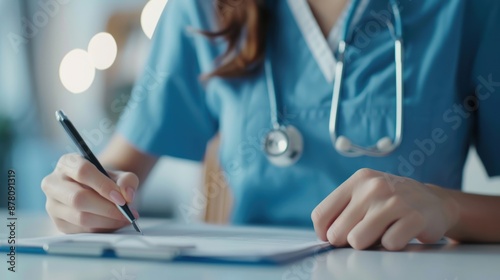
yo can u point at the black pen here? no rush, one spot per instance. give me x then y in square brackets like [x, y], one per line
[87, 153]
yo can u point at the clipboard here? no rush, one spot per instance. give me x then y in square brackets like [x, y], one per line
[103, 249]
[186, 243]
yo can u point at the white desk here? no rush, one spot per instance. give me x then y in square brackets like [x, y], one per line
[450, 262]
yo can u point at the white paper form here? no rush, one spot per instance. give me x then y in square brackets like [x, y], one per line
[205, 241]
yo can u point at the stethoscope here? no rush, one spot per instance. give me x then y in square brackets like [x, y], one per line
[284, 145]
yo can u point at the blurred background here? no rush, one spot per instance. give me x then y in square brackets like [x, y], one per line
[83, 56]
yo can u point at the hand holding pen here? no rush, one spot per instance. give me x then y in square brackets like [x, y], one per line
[83, 197]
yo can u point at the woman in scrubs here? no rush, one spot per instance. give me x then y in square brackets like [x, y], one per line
[186, 95]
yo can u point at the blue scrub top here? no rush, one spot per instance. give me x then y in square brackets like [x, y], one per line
[452, 100]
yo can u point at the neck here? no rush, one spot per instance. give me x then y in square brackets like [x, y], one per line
[327, 13]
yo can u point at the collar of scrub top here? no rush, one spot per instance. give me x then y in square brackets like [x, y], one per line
[385, 145]
[322, 49]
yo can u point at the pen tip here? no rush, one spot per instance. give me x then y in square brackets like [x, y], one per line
[137, 228]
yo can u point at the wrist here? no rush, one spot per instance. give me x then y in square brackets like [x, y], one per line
[451, 208]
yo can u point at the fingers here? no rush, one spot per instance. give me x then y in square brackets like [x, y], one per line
[329, 209]
[370, 230]
[402, 231]
[82, 199]
[82, 171]
[369, 207]
[85, 221]
[128, 183]
[338, 231]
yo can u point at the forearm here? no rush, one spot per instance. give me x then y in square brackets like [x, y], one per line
[478, 218]
[121, 155]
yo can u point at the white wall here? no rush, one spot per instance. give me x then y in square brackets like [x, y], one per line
[475, 178]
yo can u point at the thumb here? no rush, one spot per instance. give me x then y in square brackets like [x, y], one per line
[128, 183]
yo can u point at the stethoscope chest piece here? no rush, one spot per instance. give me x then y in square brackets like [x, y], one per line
[283, 146]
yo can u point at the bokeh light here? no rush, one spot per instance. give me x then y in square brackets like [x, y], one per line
[103, 50]
[77, 71]
[151, 15]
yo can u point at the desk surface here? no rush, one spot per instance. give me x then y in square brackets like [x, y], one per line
[444, 262]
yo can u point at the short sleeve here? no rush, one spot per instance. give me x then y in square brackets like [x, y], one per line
[167, 112]
[486, 80]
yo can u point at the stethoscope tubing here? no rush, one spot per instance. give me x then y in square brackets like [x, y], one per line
[373, 151]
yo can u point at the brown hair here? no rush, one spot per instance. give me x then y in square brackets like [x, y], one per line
[243, 26]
